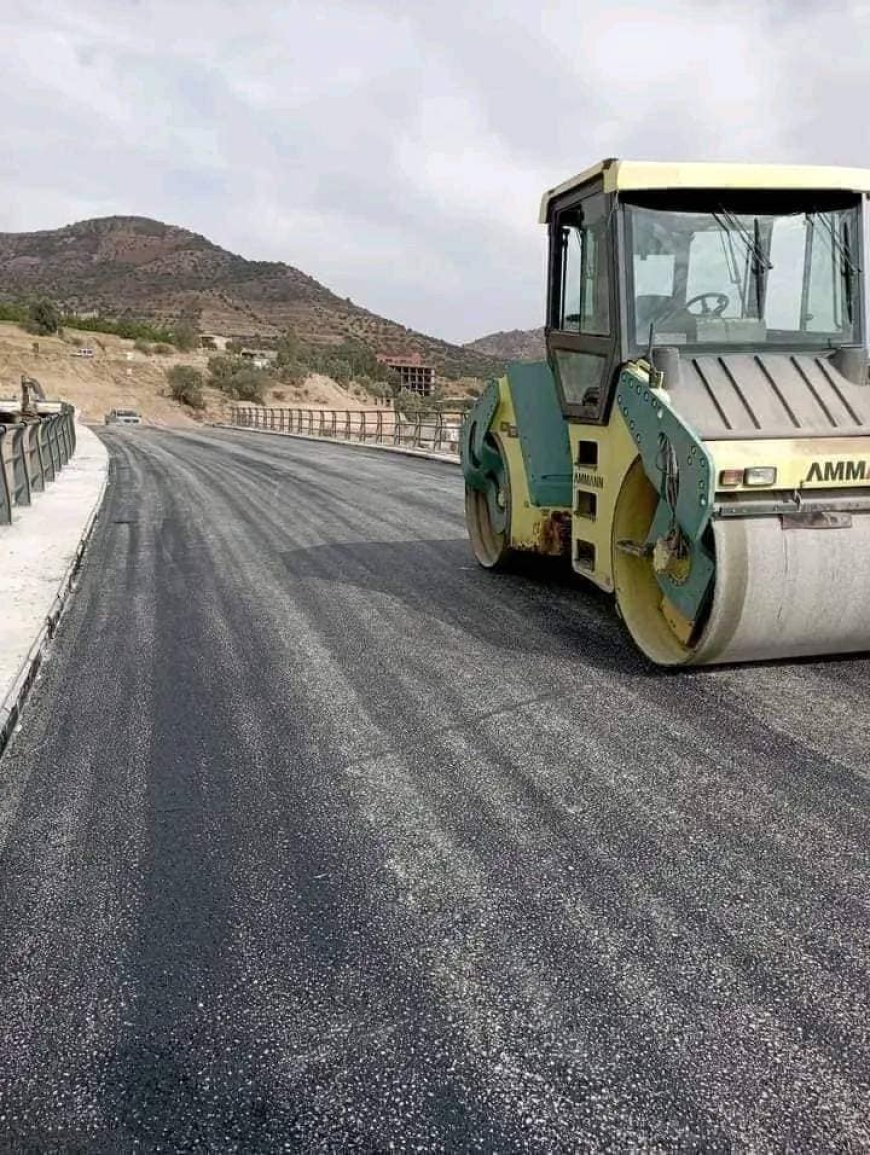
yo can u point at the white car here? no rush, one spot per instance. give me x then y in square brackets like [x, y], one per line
[123, 417]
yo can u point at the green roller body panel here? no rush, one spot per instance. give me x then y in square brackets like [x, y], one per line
[482, 464]
[543, 433]
[475, 453]
[677, 463]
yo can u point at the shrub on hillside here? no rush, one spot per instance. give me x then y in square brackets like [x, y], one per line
[43, 318]
[119, 327]
[185, 385]
[287, 349]
[162, 348]
[249, 385]
[185, 336]
[13, 311]
[221, 368]
[293, 373]
[237, 379]
[410, 404]
[143, 347]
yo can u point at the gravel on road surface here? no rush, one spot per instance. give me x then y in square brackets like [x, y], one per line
[318, 837]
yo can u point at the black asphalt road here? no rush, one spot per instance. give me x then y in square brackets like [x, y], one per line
[318, 837]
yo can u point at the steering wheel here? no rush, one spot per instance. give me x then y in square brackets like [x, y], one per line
[722, 303]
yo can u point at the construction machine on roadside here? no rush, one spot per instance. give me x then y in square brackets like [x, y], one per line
[698, 440]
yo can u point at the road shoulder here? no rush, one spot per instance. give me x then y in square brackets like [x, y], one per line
[39, 556]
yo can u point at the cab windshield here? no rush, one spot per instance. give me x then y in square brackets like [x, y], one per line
[714, 269]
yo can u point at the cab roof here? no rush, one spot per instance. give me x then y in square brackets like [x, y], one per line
[620, 175]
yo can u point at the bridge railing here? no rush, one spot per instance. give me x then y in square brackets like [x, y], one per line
[33, 451]
[436, 432]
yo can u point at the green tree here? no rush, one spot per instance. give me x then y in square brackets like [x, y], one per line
[237, 379]
[287, 348]
[249, 385]
[221, 368]
[185, 385]
[185, 335]
[44, 317]
[293, 374]
[340, 371]
[392, 378]
[410, 404]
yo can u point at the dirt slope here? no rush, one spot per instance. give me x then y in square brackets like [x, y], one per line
[119, 376]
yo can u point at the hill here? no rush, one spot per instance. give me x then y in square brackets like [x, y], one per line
[120, 375]
[513, 345]
[144, 269]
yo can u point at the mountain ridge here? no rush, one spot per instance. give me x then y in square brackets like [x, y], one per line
[511, 345]
[133, 266]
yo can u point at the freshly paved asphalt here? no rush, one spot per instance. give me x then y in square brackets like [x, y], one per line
[318, 837]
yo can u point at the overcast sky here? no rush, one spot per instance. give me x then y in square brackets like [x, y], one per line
[397, 150]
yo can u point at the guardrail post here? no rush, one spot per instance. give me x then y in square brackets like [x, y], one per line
[48, 470]
[35, 465]
[71, 427]
[379, 430]
[20, 476]
[53, 446]
[63, 438]
[5, 489]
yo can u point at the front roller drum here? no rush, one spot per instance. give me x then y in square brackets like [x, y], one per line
[778, 592]
[488, 519]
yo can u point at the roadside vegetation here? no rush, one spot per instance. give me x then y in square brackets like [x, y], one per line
[351, 363]
[237, 379]
[346, 362]
[44, 317]
[185, 386]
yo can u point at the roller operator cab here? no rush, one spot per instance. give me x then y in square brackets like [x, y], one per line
[698, 440]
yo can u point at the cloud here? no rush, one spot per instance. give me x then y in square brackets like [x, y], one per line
[397, 151]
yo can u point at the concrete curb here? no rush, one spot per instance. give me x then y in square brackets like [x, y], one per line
[425, 454]
[13, 701]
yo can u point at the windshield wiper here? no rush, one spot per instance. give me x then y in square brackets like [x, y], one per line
[840, 245]
[761, 264]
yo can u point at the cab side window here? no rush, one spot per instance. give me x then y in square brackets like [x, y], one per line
[580, 341]
[584, 305]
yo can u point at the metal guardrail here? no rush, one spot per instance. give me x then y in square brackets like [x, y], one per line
[32, 453]
[436, 432]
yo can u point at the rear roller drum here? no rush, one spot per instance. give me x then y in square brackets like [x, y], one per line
[488, 518]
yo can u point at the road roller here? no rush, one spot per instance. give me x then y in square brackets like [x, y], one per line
[697, 441]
